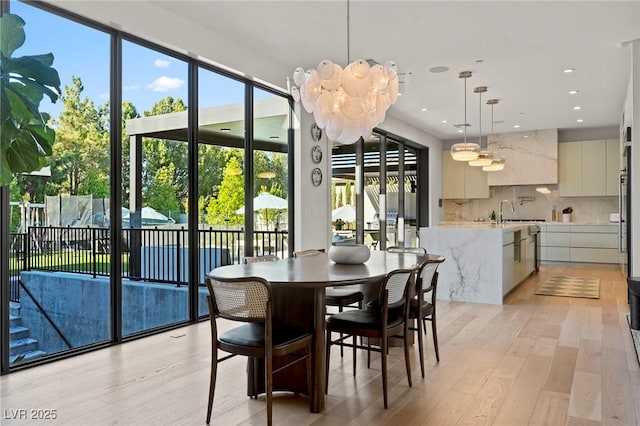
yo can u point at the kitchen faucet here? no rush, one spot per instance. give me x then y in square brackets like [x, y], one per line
[500, 215]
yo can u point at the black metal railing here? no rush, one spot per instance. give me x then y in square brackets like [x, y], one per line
[18, 254]
[158, 255]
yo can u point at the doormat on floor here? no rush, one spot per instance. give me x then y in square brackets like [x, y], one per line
[635, 335]
[571, 287]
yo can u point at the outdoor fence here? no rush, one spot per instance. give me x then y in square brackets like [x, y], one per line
[157, 255]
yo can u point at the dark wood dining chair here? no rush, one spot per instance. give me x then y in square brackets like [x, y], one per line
[423, 306]
[249, 300]
[389, 317]
[257, 259]
[337, 297]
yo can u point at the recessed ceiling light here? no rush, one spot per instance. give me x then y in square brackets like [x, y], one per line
[573, 92]
[438, 69]
[444, 121]
[568, 70]
[576, 108]
[526, 136]
[579, 120]
[516, 126]
[459, 130]
[423, 109]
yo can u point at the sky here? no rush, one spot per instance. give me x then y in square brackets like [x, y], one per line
[148, 75]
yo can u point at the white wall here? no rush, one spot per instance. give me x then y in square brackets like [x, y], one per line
[632, 115]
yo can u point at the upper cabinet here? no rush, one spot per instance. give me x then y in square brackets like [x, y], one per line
[462, 181]
[531, 157]
[588, 168]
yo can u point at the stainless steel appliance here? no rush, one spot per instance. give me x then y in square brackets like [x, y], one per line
[624, 225]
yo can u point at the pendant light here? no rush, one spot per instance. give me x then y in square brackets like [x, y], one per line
[465, 151]
[497, 163]
[485, 157]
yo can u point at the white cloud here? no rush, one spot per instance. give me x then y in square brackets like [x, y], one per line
[160, 63]
[164, 84]
[131, 88]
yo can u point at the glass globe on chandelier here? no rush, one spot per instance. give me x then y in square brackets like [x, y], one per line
[466, 151]
[485, 156]
[497, 163]
[348, 103]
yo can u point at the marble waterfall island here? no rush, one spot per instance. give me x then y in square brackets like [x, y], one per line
[483, 261]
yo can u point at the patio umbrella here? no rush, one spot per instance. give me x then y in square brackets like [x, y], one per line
[347, 213]
[267, 201]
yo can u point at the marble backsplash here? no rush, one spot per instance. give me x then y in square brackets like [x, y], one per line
[531, 204]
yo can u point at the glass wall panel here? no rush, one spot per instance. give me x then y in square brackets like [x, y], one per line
[155, 189]
[221, 163]
[59, 238]
[270, 174]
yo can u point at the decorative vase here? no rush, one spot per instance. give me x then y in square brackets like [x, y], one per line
[351, 254]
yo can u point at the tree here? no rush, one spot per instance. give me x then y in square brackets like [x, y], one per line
[161, 195]
[347, 193]
[333, 195]
[160, 153]
[81, 155]
[230, 197]
[26, 138]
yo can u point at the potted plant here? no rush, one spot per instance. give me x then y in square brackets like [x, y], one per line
[339, 223]
[26, 138]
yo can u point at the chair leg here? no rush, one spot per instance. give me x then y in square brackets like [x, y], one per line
[327, 358]
[383, 360]
[407, 358]
[424, 326]
[355, 341]
[420, 345]
[368, 352]
[340, 309]
[268, 375]
[212, 382]
[435, 335]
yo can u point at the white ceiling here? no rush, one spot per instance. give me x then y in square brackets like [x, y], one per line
[518, 49]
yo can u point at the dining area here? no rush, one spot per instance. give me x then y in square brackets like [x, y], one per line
[298, 296]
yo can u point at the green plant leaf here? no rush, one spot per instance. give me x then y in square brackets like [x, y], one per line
[12, 34]
[33, 69]
[25, 138]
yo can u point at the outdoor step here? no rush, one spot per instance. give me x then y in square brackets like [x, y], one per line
[14, 321]
[14, 309]
[18, 332]
[20, 346]
[26, 356]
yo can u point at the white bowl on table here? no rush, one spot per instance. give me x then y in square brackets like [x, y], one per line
[350, 254]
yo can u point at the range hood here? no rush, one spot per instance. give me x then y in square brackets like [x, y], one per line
[531, 158]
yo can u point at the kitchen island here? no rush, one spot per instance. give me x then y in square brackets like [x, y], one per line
[484, 261]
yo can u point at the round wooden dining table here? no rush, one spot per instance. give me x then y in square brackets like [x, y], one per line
[298, 298]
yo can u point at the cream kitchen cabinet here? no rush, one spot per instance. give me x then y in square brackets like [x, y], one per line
[588, 168]
[579, 243]
[462, 181]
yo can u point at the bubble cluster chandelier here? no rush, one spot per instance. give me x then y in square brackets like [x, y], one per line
[348, 103]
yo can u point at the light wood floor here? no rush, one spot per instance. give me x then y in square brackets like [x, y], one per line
[535, 360]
